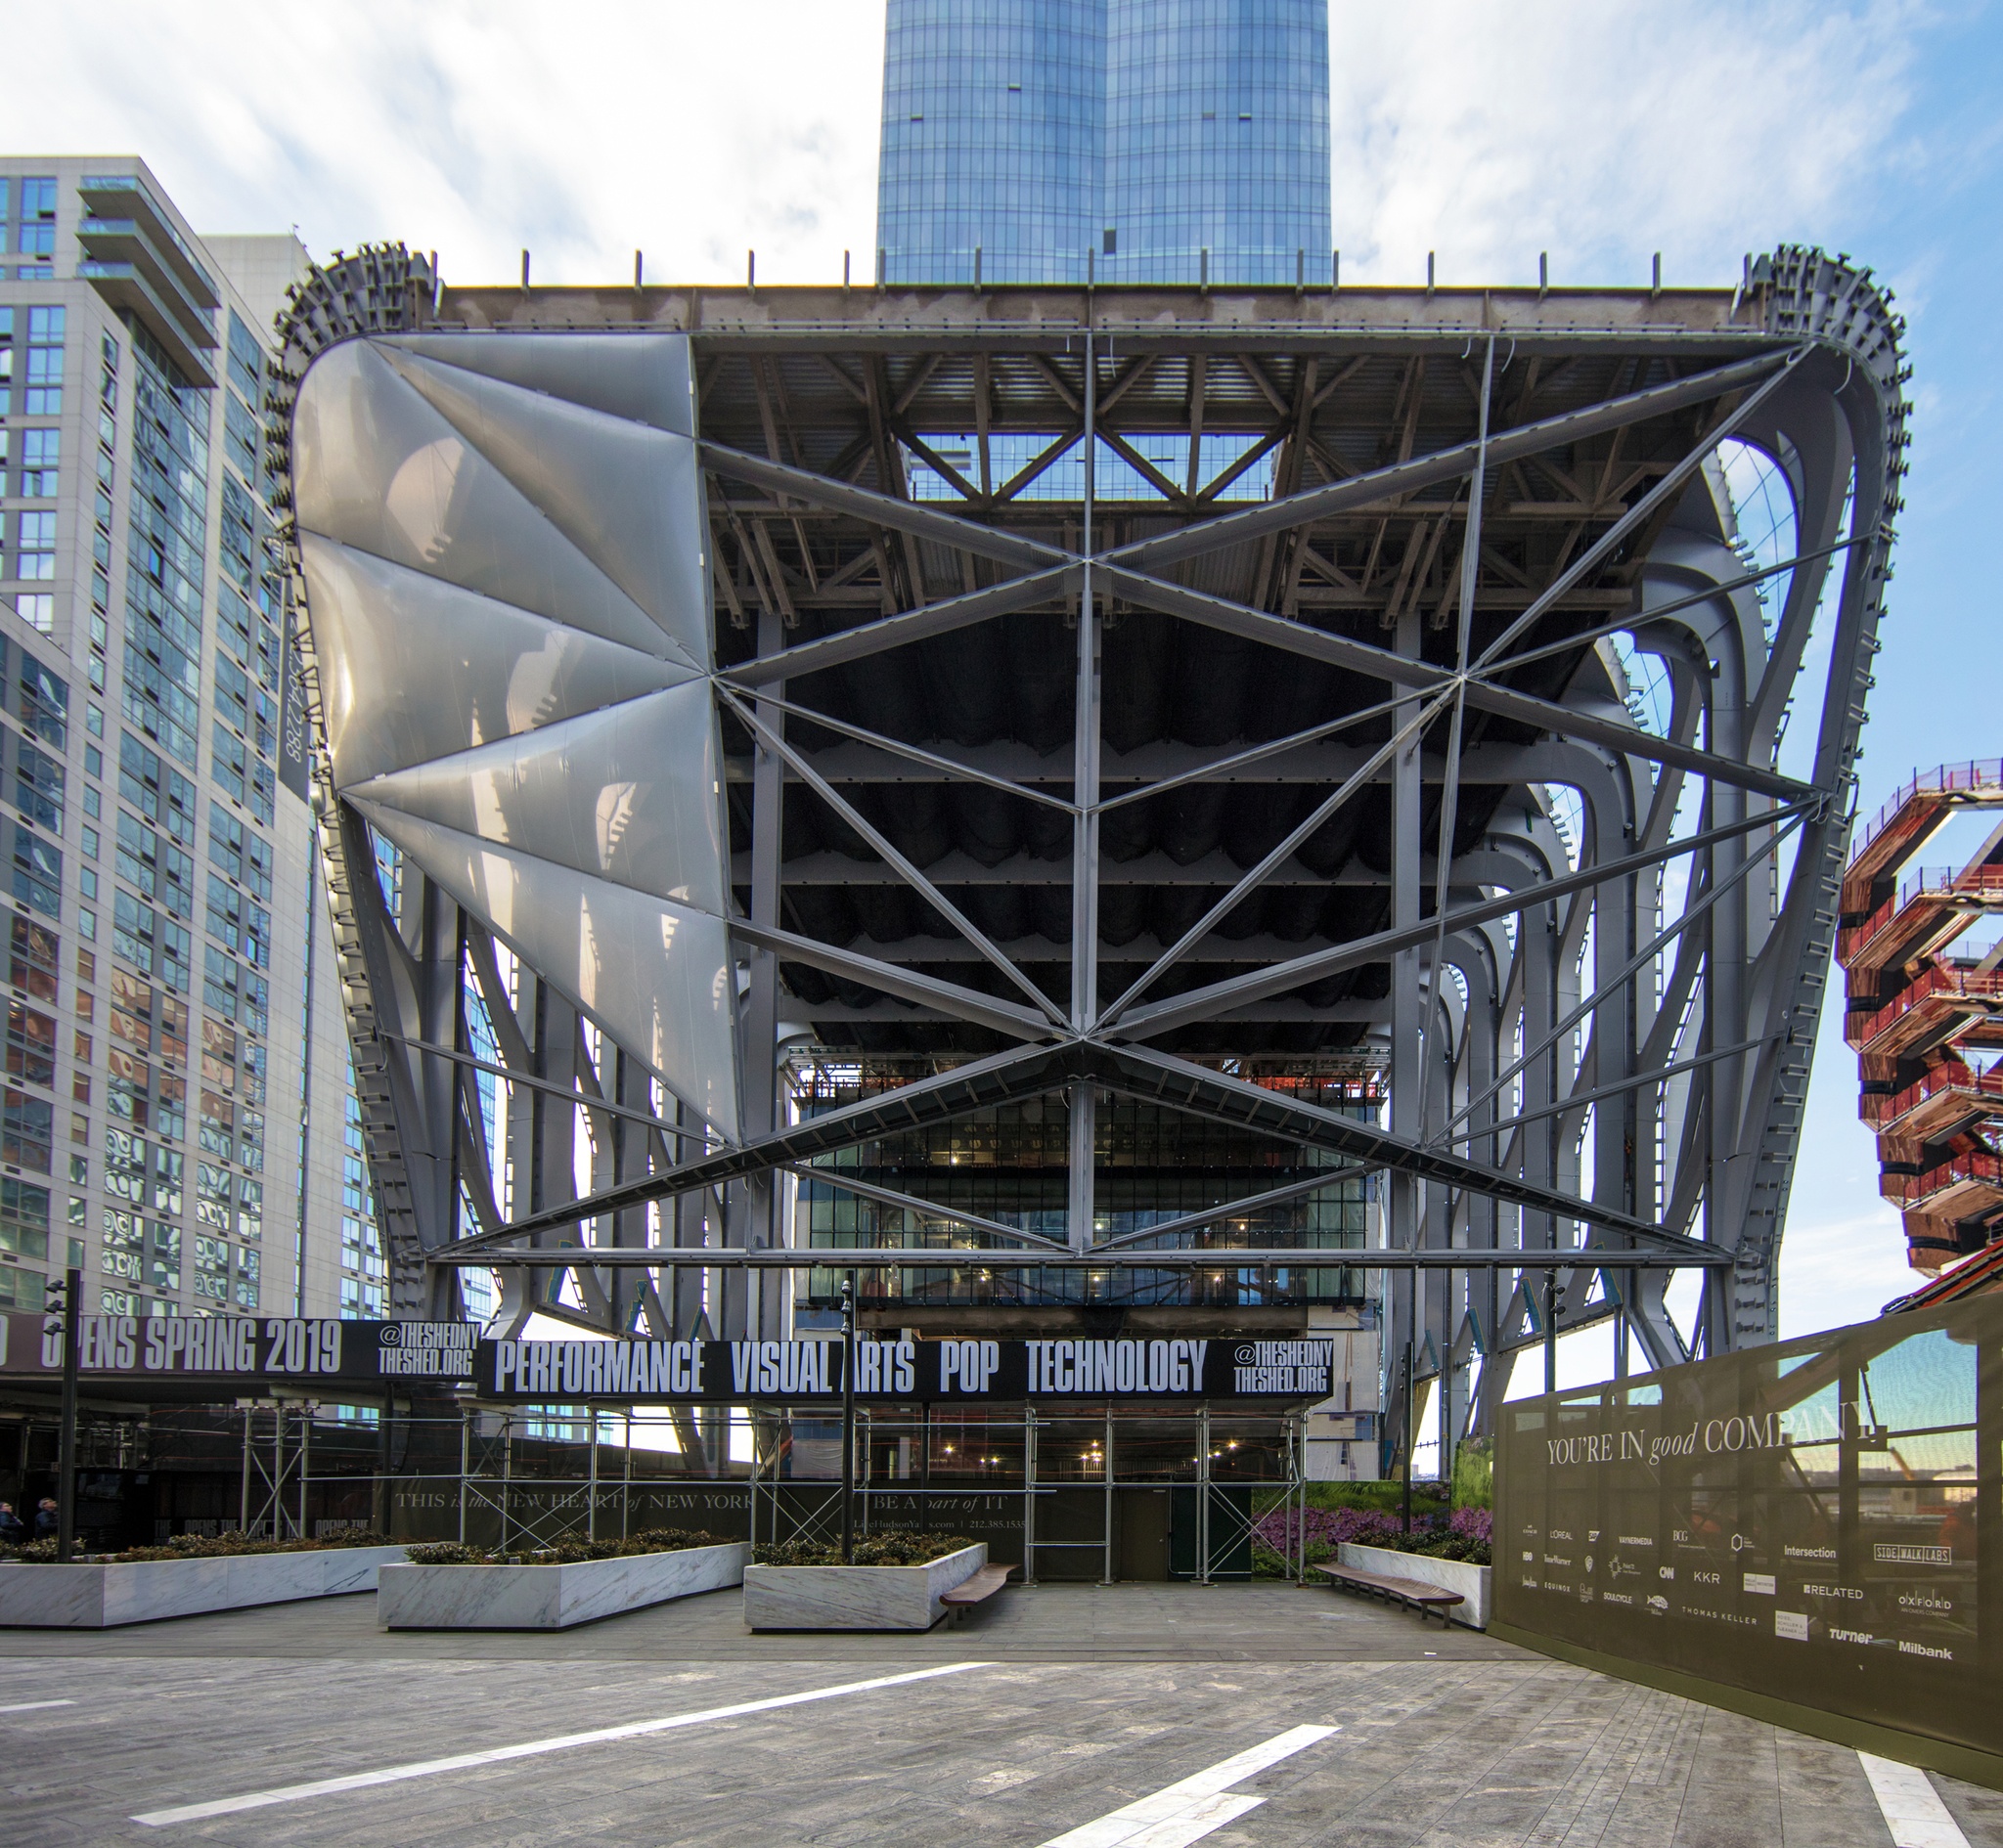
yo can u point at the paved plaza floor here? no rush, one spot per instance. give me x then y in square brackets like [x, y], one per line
[1137, 1716]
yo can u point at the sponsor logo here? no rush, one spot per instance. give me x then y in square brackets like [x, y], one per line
[1848, 1635]
[1634, 1540]
[1832, 1591]
[1556, 1558]
[1760, 1582]
[1665, 1571]
[1894, 1555]
[1923, 1600]
[1921, 1649]
[1656, 1602]
[1559, 1533]
[1709, 1578]
[1790, 1625]
[1615, 1597]
[1809, 1552]
[1530, 1558]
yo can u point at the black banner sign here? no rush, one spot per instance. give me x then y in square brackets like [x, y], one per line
[242, 1352]
[961, 1372]
[241, 1349]
[1802, 1520]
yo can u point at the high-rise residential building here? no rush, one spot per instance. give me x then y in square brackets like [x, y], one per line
[1116, 141]
[173, 1025]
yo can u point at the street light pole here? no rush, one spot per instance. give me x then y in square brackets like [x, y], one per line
[848, 1419]
[1411, 1424]
[65, 1451]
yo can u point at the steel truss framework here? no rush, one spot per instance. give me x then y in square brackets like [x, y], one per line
[983, 817]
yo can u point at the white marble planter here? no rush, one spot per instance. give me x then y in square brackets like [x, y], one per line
[1470, 1581]
[141, 1591]
[549, 1596]
[855, 1596]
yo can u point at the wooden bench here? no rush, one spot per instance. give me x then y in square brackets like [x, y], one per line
[973, 1591]
[1412, 1592]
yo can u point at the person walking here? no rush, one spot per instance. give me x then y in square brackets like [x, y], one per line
[12, 1529]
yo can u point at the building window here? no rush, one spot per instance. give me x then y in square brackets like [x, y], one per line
[40, 451]
[38, 786]
[37, 609]
[44, 703]
[37, 871]
[43, 397]
[36, 545]
[24, 1219]
[37, 230]
[35, 962]
[27, 1130]
[30, 1045]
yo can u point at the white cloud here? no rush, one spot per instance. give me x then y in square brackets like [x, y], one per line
[691, 132]
[1599, 132]
[1602, 133]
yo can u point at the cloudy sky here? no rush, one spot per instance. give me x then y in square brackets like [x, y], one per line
[1598, 130]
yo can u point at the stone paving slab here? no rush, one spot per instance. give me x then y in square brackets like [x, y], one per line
[1475, 1745]
[1049, 1622]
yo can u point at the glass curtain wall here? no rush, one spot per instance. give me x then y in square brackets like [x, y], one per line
[1065, 140]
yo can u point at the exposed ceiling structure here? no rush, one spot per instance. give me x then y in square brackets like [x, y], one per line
[1120, 692]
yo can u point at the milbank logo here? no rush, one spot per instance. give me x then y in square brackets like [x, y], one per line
[1921, 1649]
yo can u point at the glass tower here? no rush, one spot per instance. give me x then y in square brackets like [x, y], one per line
[1119, 141]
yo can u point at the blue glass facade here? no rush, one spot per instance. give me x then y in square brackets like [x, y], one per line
[1120, 140]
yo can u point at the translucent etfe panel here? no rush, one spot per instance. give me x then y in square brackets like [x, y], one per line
[376, 468]
[655, 976]
[1802, 1521]
[626, 495]
[631, 794]
[643, 377]
[413, 668]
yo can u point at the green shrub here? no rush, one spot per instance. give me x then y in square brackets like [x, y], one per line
[562, 1552]
[206, 1546]
[1474, 1474]
[886, 1546]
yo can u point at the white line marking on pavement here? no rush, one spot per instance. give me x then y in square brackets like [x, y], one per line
[1911, 1806]
[1187, 1811]
[35, 1706]
[500, 1754]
